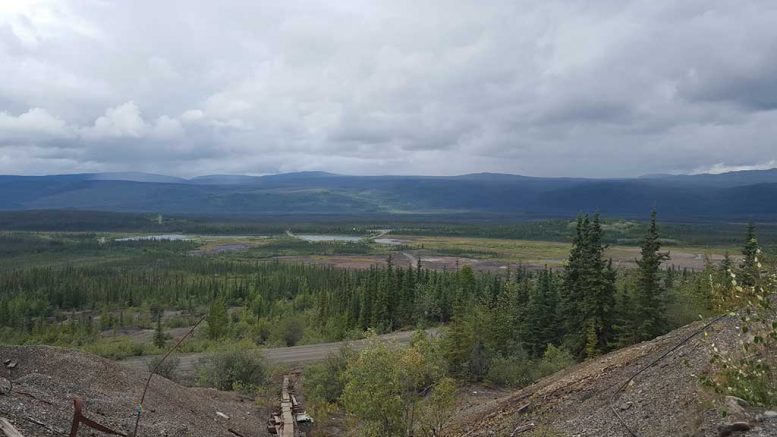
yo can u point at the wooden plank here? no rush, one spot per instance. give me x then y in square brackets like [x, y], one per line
[288, 418]
[9, 429]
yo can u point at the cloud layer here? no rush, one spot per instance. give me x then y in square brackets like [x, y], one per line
[596, 88]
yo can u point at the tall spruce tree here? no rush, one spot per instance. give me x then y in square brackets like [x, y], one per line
[541, 324]
[505, 320]
[599, 301]
[588, 293]
[650, 294]
[626, 318]
[571, 291]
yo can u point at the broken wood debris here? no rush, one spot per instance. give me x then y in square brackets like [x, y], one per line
[285, 423]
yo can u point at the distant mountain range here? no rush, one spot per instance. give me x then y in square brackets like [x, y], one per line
[743, 194]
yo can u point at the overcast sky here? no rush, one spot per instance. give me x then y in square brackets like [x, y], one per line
[543, 88]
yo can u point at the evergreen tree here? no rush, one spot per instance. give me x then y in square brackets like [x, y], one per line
[459, 341]
[750, 267]
[478, 362]
[159, 334]
[588, 294]
[505, 321]
[540, 321]
[726, 265]
[5, 313]
[626, 323]
[218, 320]
[467, 284]
[572, 290]
[650, 295]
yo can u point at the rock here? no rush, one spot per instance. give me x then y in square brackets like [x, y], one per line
[739, 401]
[11, 364]
[735, 405]
[770, 414]
[730, 428]
[625, 406]
[222, 415]
[523, 428]
[5, 386]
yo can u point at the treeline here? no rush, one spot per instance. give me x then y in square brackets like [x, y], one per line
[586, 309]
[333, 302]
[467, 225]
[497, 321]
[532, 325]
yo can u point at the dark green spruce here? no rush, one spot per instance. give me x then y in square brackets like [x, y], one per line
[651, 296]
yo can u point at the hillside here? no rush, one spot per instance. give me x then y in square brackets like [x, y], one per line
[46, 379]
[667, 399]
[729, 195]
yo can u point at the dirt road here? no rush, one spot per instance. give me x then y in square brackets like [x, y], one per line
[295, 355]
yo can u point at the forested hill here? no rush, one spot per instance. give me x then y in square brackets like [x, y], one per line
[745, 194]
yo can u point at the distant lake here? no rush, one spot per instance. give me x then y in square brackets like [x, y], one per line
[321, 237]
[164, 237]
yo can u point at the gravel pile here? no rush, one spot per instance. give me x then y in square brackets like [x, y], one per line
[667, 399]
[38, 385]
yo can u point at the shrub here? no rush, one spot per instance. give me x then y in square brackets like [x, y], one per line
[116, 348]
[511, 371]
[325, 381]
[520, 371]
[166, 368]
[260, 331]
[179, 321]
[292, 330]
[234, 367]
[748, 373]
[553, 360]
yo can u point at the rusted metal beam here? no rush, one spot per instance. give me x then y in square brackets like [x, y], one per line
[79, 418]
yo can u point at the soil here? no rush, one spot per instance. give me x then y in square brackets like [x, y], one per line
[625, 259]
[222, 248]
[47, 379]
[400, 259]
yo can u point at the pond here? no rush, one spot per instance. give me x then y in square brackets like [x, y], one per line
[164, 237]
[321, 237]
[390, 241]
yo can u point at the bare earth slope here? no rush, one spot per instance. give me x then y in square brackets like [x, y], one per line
[46, 379]
[667, 399]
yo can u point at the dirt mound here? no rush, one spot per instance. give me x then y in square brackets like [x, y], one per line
[45, 381]
[667, 399]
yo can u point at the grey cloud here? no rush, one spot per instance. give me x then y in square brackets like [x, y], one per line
[599, 88]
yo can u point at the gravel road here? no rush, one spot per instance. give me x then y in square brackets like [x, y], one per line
[295, 355]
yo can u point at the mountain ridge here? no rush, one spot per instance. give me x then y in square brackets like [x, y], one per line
[748, 194]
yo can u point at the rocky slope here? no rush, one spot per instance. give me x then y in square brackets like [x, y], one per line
[666, 399]
[38, 384]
